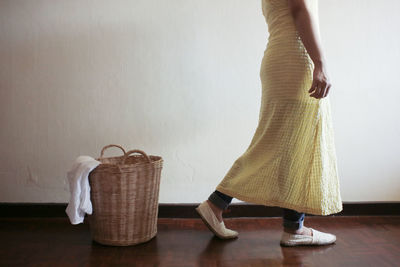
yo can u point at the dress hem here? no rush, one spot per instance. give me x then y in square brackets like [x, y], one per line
[276, 203]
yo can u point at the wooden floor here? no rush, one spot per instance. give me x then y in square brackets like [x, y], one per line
[361, 241]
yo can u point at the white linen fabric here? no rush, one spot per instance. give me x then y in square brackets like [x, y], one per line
[78, 178]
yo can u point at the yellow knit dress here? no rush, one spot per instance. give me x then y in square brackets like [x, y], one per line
[291, 160]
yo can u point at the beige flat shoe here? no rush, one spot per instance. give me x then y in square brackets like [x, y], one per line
[318, 238]
[209, 219]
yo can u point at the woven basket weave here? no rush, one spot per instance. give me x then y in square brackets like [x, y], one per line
[124, 194]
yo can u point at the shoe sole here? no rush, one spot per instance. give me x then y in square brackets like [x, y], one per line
[210, 227]
[295, 245]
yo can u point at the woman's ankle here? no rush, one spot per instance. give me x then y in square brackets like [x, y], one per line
[217, 210]
[214, 207]
[294, 231]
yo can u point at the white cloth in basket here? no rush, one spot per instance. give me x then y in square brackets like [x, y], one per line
[78, 177]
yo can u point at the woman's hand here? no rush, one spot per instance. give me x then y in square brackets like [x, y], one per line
[321, 83]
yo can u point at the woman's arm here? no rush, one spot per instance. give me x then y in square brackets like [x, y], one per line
[307, 30]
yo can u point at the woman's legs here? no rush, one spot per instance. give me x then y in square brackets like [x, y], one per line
[219, 202]
[292, 220]
[220, 199]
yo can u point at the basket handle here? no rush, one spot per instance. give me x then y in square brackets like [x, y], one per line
[104, 148]
[132, 151]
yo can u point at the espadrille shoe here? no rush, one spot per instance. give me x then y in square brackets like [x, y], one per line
[318, 238]
[209, 219]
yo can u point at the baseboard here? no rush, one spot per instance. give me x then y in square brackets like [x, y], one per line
[187, 210]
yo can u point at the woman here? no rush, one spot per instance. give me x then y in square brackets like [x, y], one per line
[291, 160]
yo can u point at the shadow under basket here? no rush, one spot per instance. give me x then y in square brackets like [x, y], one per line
[124, 193]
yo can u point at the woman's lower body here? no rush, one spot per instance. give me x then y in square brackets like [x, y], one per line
[291, 159]
[292, 220]
[294, 232]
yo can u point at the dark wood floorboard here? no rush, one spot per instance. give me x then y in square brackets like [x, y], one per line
[361, 241]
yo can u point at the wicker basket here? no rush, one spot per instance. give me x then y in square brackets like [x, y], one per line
[124, 193]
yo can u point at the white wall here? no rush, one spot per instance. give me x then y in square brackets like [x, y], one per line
[180, 79]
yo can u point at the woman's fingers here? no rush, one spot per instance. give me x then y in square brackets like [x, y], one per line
[312, 87]
[321, 89]
[327, 90]
[316, 92]
[316, 89]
